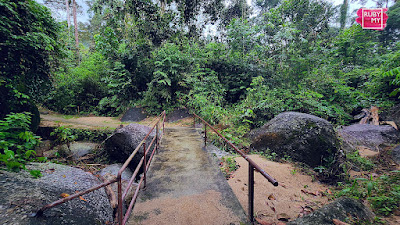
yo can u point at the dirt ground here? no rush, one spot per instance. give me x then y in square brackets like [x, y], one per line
[295, 196]
[96, 122]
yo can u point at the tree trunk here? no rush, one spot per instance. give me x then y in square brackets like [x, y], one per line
[76, 26]
[162, 2]
[68, 14]
[343, 14]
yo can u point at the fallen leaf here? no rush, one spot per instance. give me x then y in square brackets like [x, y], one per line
[64, 195]
[309, 208]
[262, 222]
[81, 198]
[49, 171]
[64, 176]
[338, 222]
[283, 217]
[273, 209]
[282, 185]
[75, 183]
[271, 197]
[308, 192]
[305, 210]
[329, 191]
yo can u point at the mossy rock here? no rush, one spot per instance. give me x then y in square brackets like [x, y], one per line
[343, 209]
[304, 138]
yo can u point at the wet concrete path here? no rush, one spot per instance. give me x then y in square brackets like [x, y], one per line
[185, 186]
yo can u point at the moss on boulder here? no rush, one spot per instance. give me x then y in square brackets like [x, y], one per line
[304, 138]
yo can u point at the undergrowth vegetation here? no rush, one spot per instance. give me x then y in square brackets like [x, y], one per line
[383, 192]
[17, 142]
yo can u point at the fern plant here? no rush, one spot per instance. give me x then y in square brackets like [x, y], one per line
[396, 80]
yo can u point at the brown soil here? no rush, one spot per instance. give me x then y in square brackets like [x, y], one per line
[295, 196]
[366, 152]
[97, 122]
[204, 208]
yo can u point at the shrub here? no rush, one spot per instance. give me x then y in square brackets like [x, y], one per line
[17, 142]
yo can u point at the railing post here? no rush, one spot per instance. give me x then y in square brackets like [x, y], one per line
[205, 135]
[144, 165]
[251, 193]
[157, 137]
[119, 200]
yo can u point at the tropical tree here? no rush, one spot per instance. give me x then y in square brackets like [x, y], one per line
[28, 51]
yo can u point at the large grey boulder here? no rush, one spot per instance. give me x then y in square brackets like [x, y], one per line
[21, 195]
[76, 150]
[341, 209]
[125, 140]
[303, 137]
[396, 154]
[111, 171]
[392, 114]
[369, 136]
[178, 114]
[134, 114]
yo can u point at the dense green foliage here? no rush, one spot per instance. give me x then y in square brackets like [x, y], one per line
[17, 142]
[284, 59]
[28, 51]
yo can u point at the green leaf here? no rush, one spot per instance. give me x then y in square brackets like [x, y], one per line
[36, 173]
[10, 154]
[370, 186]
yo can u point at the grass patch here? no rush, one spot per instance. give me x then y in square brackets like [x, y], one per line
[228, 165]
[355, 160]
[383, 192]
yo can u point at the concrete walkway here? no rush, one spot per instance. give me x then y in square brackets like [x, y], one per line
[185, 186]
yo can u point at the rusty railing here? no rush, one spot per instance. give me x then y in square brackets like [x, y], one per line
[144, 163]
[252, 165]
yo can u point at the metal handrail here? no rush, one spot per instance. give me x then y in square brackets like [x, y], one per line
[252, 165]
[143, 162]
[121, 196]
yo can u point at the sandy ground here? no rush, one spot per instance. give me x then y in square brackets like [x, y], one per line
[366, 152]
[97, 122]
[295, 196]
[198, 209]
[79, 122]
